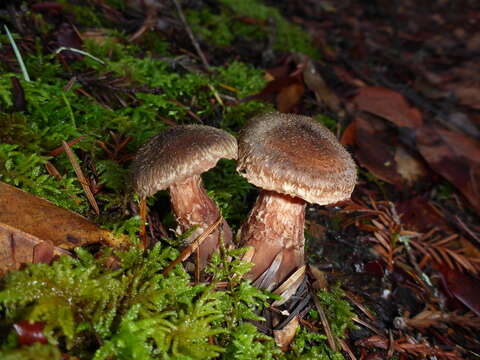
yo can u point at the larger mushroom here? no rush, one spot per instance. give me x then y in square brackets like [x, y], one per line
[295, 160]
[175, 159]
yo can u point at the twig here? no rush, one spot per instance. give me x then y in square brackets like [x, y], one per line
[466, 229]
[81, 178]
[142, 209]
[18, 55]
[191, 36]
[197, 266]
[368, 326]
[193, 246]
[326, 325]
[347, 349]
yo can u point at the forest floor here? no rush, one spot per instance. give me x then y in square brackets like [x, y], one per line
[394, 269]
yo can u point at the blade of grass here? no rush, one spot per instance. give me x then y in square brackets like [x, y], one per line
[18, 55]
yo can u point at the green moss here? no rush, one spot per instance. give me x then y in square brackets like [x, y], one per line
[309, 345]
[289, 37]
[36, 351]
[338, 311]
[130, 310]
[27, 170]
[225, 26]
[327, 121]
[223, 29]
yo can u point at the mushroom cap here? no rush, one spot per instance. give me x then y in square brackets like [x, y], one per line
[297, 156]
[178, 153]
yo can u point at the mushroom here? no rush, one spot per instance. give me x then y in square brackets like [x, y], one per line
[295, 160]
[174, 159]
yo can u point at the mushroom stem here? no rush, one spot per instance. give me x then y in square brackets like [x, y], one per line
[192, 206]
[275, 225]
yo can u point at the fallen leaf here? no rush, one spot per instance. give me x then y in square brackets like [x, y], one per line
[315, 82]
[467, 93]
[455, 156]
[289, 97]
[34, 230]
[30, 333]
[284, 337]
[18, 95]
[420, 215]
[409, 168]
[463, 287]
[389, 105]
[377, 150]
[348, 135]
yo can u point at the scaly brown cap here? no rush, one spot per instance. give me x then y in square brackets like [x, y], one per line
[297, 156]
[178, 153]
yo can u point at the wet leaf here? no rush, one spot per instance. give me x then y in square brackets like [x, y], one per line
[289, 96]
[377, 150]
[30, 333]
[455, 156]
[315, 82]
[389, 105]
[463, 287]
[285, 336]
[34, 230]
[420, 215]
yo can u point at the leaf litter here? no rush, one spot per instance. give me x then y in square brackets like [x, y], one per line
[396, 82]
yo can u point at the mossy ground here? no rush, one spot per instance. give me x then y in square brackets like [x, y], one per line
[135, 92]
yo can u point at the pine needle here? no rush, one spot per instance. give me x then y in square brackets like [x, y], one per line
[193, 246]
[81, 178]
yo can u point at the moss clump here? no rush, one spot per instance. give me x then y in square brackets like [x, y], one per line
[36, 351]
[53, 115]
[118, 305]
[132, 311]
[338, 311]
[223, 29]
[224, 26]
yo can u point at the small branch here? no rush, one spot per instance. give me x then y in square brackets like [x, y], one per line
[192, 247]
[326, 325]
[81, 178]
[191, 36]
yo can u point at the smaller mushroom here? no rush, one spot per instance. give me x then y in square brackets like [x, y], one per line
[294, 160]
[175, 159]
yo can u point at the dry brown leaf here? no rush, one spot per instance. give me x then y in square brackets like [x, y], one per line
[285, 336]
[468, 93]
[348, 137]
[289, 97]
[389, 105]
[455, 156]
[34, 229]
